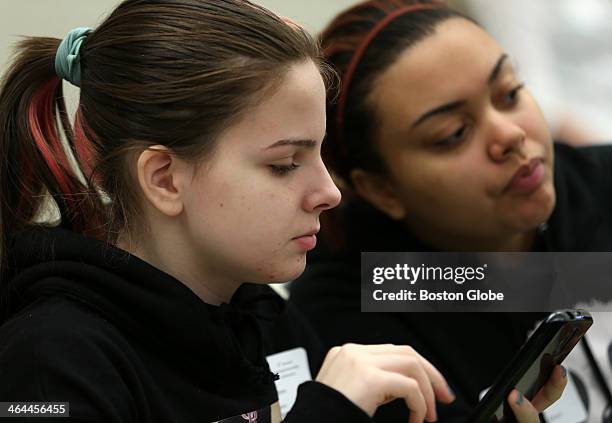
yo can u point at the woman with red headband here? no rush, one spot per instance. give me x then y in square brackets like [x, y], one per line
[441, 147]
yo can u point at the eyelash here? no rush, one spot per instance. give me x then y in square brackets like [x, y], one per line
[514, 93]
[282, 170]
[450, 141]
[460, 133]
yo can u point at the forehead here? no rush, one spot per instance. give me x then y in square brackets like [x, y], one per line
[294, 109]
[458, 57]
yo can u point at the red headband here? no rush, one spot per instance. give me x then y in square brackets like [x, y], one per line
[357, 56]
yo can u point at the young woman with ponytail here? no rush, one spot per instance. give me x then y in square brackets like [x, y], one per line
[193, 166]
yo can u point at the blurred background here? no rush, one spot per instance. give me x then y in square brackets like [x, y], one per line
[562, 48]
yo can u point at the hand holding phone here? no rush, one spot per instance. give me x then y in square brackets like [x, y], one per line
[532, 366]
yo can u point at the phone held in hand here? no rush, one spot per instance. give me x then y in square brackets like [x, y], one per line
[532, 366]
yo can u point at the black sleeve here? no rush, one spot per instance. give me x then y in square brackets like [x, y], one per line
[319, 403]
[43, 360]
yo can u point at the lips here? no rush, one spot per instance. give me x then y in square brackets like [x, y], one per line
[527, 178]
[308, 240]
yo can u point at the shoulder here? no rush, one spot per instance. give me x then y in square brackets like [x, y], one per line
[54, 324]
[585, 163]
[583, 183]
[584, 175]
[57, 350]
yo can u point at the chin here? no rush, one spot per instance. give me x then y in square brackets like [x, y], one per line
[281, 273]
[538, 210]
[295, 272]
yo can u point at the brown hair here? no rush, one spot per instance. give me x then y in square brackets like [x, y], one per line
[361, 43]
[169, 72]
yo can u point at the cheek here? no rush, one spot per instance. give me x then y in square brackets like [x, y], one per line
[270, 207]
[442, 181]
[533, 122]
[256, 209]
[218, 203]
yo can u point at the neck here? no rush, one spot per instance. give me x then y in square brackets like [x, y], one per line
[168, 252]
[516, 242]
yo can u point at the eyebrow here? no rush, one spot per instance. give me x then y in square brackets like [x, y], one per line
[497, 69]
[449, 107]
[296, 143]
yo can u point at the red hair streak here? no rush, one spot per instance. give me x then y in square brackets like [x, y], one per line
[41, 121]
[82, 146]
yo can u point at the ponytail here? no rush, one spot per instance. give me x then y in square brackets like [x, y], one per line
[34, 163]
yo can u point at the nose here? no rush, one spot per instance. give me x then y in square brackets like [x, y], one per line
[505, 137]
[324, 194]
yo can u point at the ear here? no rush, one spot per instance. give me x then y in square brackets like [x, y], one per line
[161, 175]
[379, 191]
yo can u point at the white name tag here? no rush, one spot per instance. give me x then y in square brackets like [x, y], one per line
[569, 408]
[292, 368]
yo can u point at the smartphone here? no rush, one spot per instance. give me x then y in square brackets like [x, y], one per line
[532, 366]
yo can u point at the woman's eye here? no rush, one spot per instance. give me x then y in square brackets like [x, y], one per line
[455, 138]
[282, 170]
[512, 96]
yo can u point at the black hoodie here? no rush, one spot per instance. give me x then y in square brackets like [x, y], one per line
[121, 341]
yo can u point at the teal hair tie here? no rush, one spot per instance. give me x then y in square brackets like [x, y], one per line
[67, 59]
